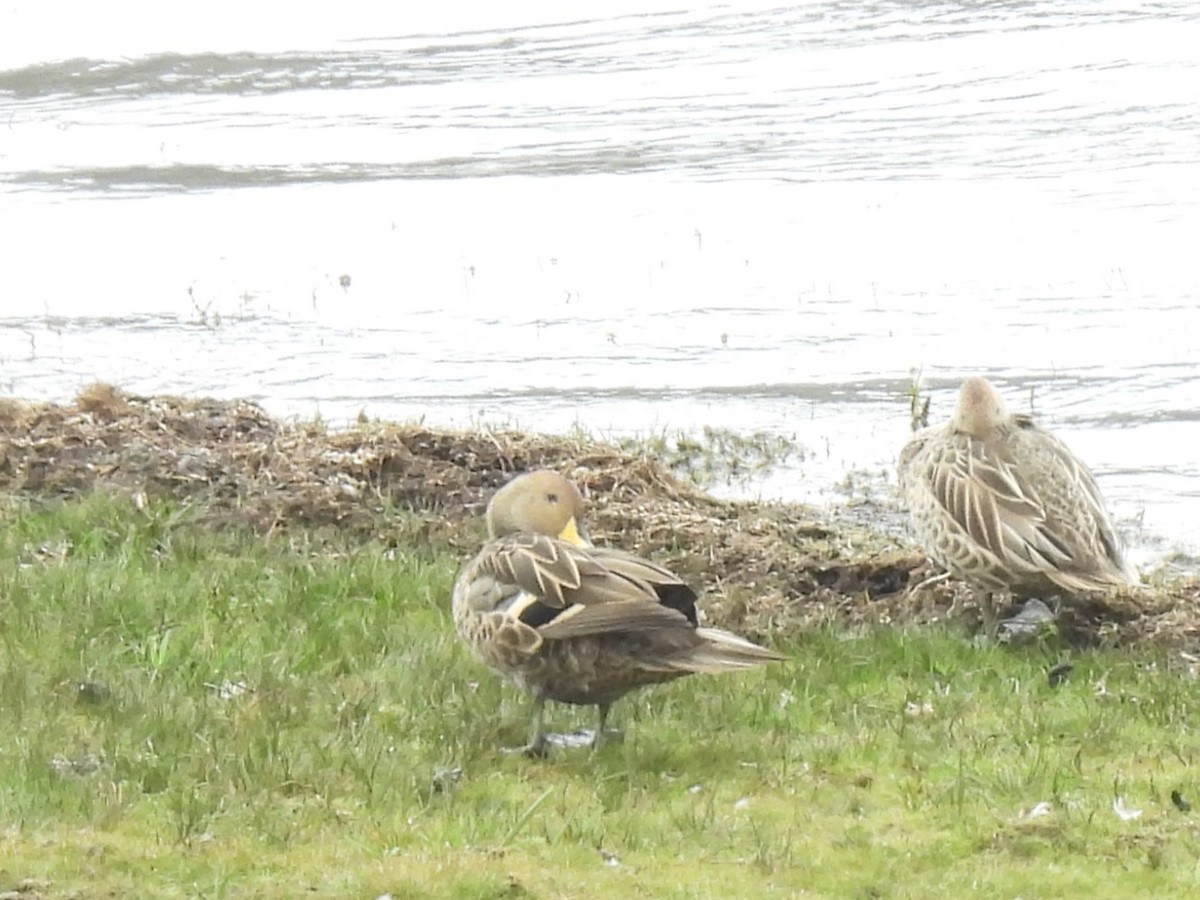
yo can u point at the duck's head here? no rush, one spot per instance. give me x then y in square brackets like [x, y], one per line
[980, 408]
[542, 502]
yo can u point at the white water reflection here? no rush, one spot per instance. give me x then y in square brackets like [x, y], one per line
[739, 216]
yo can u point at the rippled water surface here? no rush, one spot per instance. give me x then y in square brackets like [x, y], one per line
[631, 219]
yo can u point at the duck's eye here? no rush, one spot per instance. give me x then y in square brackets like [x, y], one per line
[552, 498]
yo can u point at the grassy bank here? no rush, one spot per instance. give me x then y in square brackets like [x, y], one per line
[200, 711]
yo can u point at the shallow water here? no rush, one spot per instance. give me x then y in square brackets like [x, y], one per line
[740, 216]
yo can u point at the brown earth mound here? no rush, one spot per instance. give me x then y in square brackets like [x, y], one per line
[767, 568]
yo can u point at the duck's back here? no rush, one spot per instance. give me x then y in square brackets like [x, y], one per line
[1013, 510]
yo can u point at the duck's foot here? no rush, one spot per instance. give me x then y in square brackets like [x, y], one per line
[540, 741]
[537, 745]
[571, 740]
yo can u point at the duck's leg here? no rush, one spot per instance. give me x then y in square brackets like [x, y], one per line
[536, 747]
[602, 719]
[987, 608]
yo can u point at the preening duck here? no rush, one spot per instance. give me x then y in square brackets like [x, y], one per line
[565, 620]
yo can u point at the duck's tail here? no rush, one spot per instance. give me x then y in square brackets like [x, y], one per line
[1111, 574]
[723, 651]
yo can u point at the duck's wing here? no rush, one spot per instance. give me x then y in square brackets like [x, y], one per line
[982, 489]
[667, 587]
[908, 463]
[1075, 507]
[1022, 507]
[563, 590]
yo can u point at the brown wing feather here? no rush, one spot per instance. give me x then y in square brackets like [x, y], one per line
[536, 564]
[1077, 514]
[1013, 507]
[568, 591]
[985, 494]
[609, 618]
[668, 588]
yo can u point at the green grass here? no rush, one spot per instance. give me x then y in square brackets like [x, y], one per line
[887, 765]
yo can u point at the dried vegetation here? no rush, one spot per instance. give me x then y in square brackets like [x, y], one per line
[768, 568]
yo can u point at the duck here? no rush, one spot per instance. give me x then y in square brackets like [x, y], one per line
[1003, 504]
[568, 621]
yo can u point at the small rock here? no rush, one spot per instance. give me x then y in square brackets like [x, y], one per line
[1028, 622]
[227, 690]
[91, 692]
[445, 777]
[583, 737]
[81, 765]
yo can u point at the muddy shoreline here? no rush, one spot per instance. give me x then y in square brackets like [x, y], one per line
[767, 568]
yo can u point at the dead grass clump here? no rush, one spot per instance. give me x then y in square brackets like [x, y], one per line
[15, 415]
[768, 568]
[103, 401]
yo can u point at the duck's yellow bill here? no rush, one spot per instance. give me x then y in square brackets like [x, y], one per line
[571, 535]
